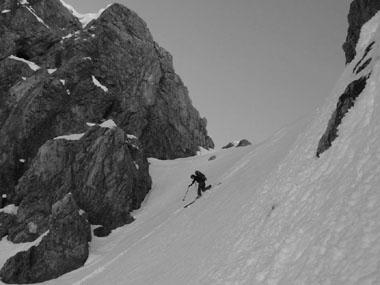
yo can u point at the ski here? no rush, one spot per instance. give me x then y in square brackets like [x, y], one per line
[192, 202]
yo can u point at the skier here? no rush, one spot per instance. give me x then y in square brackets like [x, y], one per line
[200, 178]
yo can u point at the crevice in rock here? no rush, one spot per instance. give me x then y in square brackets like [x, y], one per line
[22, 54]
[367, 50]
[110, 109]
[345, 102]
[364, 65]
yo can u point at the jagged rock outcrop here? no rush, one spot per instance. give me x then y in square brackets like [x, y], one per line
[243, 143]
[360, 12]
[345, 102]
[63, 249]
[104, 170]
[110, 68]
[56, 77]
[240, 143]
[29, 28]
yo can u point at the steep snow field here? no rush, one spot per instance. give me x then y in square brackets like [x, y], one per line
[171, 245]
[276, 214]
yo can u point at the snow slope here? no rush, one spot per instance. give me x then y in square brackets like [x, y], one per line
[276, 214]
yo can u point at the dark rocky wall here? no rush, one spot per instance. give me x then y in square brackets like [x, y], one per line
[360, 12]
[345, 102]
[63, 249]
[145, 96]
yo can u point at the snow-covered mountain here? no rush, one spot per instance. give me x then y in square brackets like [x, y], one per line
[276, 214]
[302, 207]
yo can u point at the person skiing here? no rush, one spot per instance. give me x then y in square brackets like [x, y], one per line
[200, 178]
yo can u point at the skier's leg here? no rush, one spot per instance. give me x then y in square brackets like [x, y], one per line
[199, 190]
[203, 186]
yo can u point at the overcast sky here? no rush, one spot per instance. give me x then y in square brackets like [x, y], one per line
[251, 66]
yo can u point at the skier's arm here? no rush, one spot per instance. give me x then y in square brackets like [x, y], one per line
[192, 183]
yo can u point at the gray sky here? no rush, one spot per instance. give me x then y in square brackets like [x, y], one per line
[251, 66]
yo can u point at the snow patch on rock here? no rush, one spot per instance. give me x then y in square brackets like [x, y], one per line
[98, 84]
[10, 209]
[31, 65]
[110, 124]
[72, 137]
[25, 4]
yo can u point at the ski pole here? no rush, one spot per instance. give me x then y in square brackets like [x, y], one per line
[186, 193]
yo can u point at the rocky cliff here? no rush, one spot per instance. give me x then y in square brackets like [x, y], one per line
[360, 12]
[56, 75]
[83, 103]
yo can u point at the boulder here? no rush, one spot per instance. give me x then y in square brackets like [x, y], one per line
[63, 249]
[239, 143]
[213, 157]
[229, 145]
[104, 170]
[244, 142]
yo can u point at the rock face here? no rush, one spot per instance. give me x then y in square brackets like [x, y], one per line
[63, 249]
[360, 12]
[111, 68]
[56, 77]
[6, 222]
[104, 170]
[345, 102]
